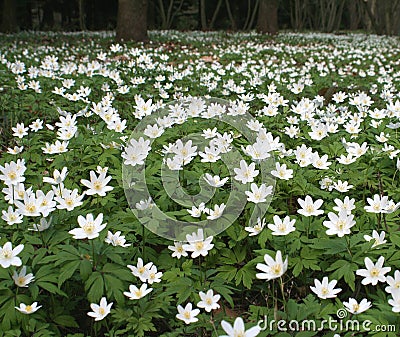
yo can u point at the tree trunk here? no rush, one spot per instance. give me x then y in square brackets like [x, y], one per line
[231, 18]
[132, 20]
[253, 15]
[268, 17]
[9, 17]
[203, 17]
[354, 18]
[384, 16]
[82, 15]
[214, 17]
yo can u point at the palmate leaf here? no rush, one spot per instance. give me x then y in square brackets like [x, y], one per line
[51, 288]
[46, 278]
[182, 287]
[329, 246]
[141, 325]
[245, 275]
[346, 270]
[224, 290]
[227, 272]
[66, 321]
[9, 316]
[67, 270]
[94, 287]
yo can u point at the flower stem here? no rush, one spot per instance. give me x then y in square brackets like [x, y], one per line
[348, 245]
[107, 327]
[283, 294]
[93, 255]
[213, 325]
[143, 242]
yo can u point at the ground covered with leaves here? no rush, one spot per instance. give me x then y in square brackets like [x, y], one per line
[317, 238]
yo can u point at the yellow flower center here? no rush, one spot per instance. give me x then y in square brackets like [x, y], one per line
[238, 334]
[12, 175]
[374, 272]
[324, 291]
[69, 202]
[356, 307]
[97, 185]
[141, 270]
[276, 269]
[209, 301]
[340, 225]
[138, 293]
[28, 308]
[7, 253]
[31, 208]
[89, 227]
[186, 315]
[102, 311]
[310, 208]
[21, 280]
[282, 227]
[199, 245]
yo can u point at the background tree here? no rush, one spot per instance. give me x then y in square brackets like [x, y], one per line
[136, 16]
[132, 20]
[268, 16]
[251, 14]
[384, 16]
[9, 16]
[330, 14]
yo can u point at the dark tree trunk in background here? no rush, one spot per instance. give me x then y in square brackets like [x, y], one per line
[215, 14]
[268, 17]
[230, 16]
[132, 20]
[384, 16]
[82, 15]
[203, 17]
[9, 17]
[353, 17]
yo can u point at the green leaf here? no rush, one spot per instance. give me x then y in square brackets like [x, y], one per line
[66, 321]
[298, 267]
[245, 275]
[307, 334]
[121, 273]
[227, 272]
[50, 287]
[85, 269]
[94, 287]
[67, 271]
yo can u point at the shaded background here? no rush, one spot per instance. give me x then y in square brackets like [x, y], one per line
[377, 16]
